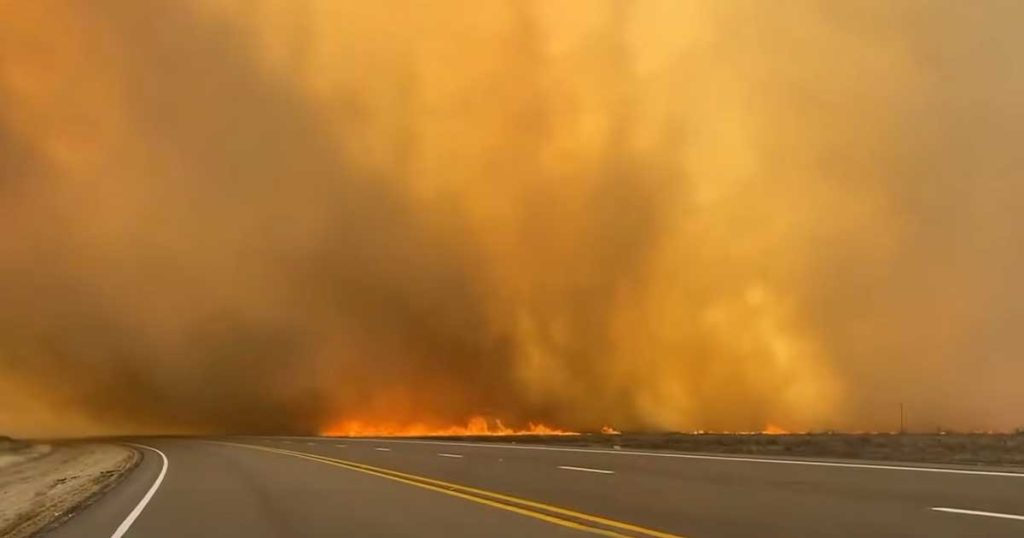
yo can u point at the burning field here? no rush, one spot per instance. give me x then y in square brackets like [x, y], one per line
[475, 427]
[510, 216]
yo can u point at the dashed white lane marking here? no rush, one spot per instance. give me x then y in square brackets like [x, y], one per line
[585, 469]
[444, 455]
[127, 523]
[978, 513]
[716, 458]
[382, 449]
[341, 446]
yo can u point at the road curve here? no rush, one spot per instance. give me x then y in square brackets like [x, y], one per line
[306, 487]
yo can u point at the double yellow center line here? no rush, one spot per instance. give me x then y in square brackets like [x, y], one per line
[537, 510]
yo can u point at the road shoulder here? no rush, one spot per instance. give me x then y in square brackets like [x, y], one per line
[44, 485]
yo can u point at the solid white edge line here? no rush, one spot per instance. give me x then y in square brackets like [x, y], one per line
[445, 455]
[708, 457]
[585, 469]
[977, 513]
[127, 523]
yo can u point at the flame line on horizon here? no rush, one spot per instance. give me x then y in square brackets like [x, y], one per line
[475, 426]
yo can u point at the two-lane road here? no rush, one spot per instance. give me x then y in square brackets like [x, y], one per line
[297, 487]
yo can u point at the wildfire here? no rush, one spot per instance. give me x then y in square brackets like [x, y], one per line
[608, 430]
[475, 426]
[769, 429]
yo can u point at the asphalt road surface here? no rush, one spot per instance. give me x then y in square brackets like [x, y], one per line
[298, 487]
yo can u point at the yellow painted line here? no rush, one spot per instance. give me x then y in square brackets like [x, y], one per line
[417, 483]
[508, 498]
[448, 487]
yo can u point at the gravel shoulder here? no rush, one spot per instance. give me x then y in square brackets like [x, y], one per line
[43, 484]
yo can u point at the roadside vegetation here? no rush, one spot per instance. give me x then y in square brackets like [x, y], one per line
[44, 484]
[947, 448]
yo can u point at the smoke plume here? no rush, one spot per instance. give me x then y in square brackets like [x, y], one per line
[252, 216]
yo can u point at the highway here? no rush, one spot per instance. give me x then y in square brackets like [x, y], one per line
[304, 487]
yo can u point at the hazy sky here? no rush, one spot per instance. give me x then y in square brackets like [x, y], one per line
[242, 215]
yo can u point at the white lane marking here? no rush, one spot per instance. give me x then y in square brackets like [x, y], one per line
[127, 523]
[444, 455]
[585, 469]
[713, 458]
[977, 513]
[382, 449]
[341, 446]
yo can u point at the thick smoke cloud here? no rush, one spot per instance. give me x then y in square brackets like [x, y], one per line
[223, 215]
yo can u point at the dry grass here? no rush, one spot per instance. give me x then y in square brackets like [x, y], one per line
[44, 484]
[968, 449]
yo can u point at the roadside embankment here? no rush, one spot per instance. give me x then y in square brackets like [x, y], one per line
[43, 484]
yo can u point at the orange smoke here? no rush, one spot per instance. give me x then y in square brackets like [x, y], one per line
[477, 425]
[688, 216]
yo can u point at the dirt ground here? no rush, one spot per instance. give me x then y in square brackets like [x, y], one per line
[967, 449]
[41, 484]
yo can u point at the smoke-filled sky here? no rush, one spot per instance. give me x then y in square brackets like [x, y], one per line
[257, 216]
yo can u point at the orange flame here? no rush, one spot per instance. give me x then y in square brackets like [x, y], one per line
[608, 430]
[477, 425]
[771, 429]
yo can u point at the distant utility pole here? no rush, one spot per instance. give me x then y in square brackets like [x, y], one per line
[902, 420]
